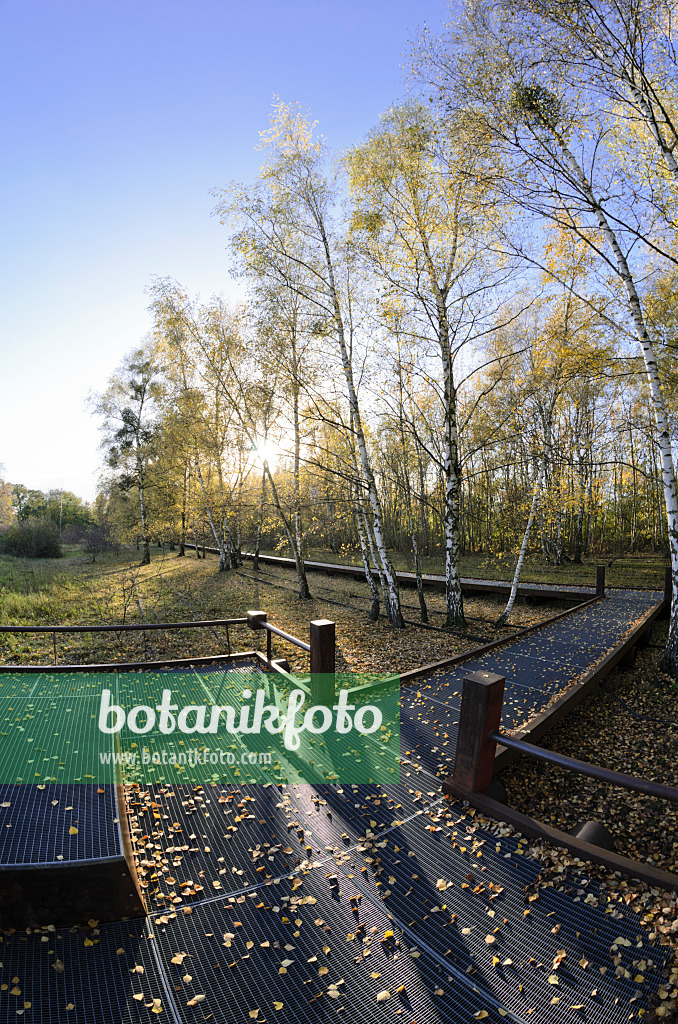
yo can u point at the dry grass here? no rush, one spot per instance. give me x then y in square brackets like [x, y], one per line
[116, 589]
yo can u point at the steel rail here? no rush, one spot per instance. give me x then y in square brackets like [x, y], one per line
[121, 628]
[127, 666]
[607, 775]
[286, 636]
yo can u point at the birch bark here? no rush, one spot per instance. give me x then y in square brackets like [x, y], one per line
[394, 612]
[304, 591]
[663, 435]
[218, 537]
[503, 618]
[364, 550]
[260, 521]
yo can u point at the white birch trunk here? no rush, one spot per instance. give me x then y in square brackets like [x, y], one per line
[298, 531]
[663, 436]
[503, 618]
[454, 599]
[423, 610]
[374, 557]
[260, 523]
[228, 545]
[304, 592]
[218, 539]
[395, 616]
[651, 121]
[374, 610]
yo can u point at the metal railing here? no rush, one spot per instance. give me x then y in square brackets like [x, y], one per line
[122, 628]
[321, 648]
[321, 684]
[594, 771]
[479, 733]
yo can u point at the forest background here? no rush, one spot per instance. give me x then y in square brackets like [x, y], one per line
[459, 335]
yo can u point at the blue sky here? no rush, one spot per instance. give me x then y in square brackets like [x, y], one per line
[117, 120]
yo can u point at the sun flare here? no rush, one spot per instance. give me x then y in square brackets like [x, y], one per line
[270, 452]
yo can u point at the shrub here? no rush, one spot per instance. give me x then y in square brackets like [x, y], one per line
[73, 533]
[35, 538]
[97, 540]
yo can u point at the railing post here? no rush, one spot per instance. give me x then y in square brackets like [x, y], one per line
[668, 592]
[600, 581]
[482, 698]
[322, 661]
[256, 620]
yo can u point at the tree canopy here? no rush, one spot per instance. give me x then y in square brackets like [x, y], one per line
[459, 335]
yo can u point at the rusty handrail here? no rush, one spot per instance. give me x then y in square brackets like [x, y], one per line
[608, 775]
[286, 636]
[120, 628]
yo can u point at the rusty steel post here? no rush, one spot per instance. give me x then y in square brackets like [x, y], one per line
[322, 638]
[482, 698]
[256, 620]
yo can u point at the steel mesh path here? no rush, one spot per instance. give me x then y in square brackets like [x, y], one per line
[536, 667]
[566, 591]
[327, 897]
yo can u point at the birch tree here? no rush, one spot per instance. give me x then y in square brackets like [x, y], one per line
[284, 345]
[420, 218]
[536, 494]
[287, 233]
[195, 359]
[623, 52]
[549, 140]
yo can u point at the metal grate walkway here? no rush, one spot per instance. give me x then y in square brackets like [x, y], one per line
[364, 903]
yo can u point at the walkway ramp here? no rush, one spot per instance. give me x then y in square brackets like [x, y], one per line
[537, 668]
[358, 903]
[545, 591]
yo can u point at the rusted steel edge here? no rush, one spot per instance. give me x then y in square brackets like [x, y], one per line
[273, 664]
[126, 840]
[457, 659]
[123, 826]
[88, 862]
[534, 829]
[128, 666]
[545, 720]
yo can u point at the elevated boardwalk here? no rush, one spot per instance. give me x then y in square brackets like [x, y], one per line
[362, 903]
[544, 591]
[554, 665]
